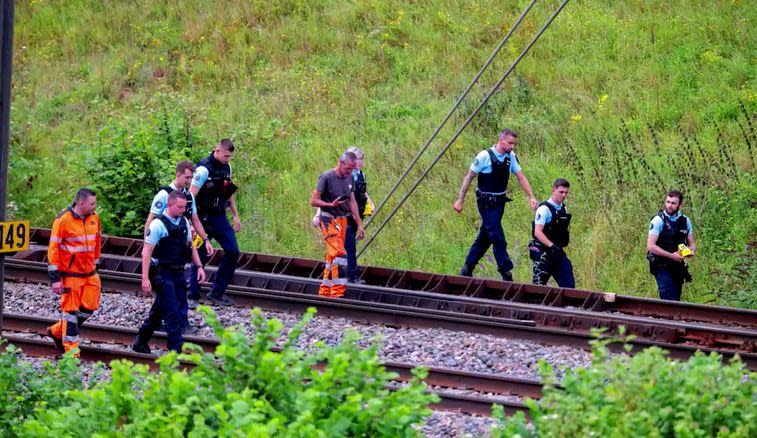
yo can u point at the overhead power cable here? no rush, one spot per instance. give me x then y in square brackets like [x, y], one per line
[465, 124]
[451, 111]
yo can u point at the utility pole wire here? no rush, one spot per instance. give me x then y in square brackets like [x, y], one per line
[465, 125]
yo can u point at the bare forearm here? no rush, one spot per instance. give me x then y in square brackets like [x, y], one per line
[355, 212]
[196, 257]
[233, 206]
[198, 227]
[465, 185]
[150, 217]
[524, 184]
[541, 237]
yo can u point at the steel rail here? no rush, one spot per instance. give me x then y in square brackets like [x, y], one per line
[461, 286]
[91, 353]
[437, 376]
[289, 294]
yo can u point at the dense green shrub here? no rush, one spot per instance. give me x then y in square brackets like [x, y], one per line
[245, 389]
[24, 388]
[647, 395]
[128, 163]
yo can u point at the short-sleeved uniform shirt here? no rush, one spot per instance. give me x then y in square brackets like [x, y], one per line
[543, 215]
[332, 186]
[160, 201]
[201, 175]
[655, 227]
[157, 230]
[483, 162]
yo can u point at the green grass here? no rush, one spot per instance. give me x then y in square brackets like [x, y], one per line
[615, 97]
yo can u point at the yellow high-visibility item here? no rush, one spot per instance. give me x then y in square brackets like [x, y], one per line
[685, 251]
[198, 241]
[369, 207]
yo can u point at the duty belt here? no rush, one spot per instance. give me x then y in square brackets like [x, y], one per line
[492, 196]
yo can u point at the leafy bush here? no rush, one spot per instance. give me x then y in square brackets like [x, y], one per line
[644, 395]
[245, 389]
[130, 162]
[24, 388]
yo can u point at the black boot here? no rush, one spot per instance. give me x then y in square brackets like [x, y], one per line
[507, 276]
[467, 270]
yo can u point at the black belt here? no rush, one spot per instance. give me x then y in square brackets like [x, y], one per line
[170, 267]
[497, 197]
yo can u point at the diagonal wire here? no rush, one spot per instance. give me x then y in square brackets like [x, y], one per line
[465, 124]
[451, 111]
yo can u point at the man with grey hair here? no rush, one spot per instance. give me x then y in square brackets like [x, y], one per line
[334, 195]
[493, 167]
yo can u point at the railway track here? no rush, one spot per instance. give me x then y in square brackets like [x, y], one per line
[427, 309]
[448, 381]
[548, 296]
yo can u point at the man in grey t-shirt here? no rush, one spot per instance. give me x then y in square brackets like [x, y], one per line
[334, 196]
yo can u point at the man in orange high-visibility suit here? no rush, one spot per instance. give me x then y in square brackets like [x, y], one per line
[335, 197]
[73, 255]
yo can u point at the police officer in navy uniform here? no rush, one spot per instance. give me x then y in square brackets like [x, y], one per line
[167, 250]
[214, 191]
[551, 234]
[667, 230]
[493, 167]
[183, 176]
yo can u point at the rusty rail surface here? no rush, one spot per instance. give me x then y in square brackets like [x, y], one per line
[464, 286]
[423, 309]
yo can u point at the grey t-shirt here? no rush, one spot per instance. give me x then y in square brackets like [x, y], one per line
[332, 186]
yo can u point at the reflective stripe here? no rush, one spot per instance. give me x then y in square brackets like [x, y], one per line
[71, 248]
[52, 267]
[55, 239]
[71, 317]
[84, 314]
[340, 261]
[67, 338]
[340, 282]
[326, 283]
[78, 238]
[327, 266]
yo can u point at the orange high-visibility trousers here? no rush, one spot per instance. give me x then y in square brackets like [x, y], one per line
[80, 299]
[334, 282]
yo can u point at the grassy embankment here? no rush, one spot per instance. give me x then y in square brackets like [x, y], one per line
[625, 99]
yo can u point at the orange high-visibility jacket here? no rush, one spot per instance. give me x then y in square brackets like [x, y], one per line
[74, 248]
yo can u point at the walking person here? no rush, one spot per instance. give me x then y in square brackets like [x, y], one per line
[182, 177]
[360, 188]
[670, 239]
[551, 234]
[335, 197]
[73, 256]
[167, 249]
[493, 167]
[214, 191]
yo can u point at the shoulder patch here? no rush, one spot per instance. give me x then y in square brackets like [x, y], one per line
[538, 216]
[197, 176]
[158, 204]
[651, 226]
[148, 231]
[475, 162]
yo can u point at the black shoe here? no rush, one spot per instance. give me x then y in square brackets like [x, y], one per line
[221, 301]
[58, 342]
[139, 348]
[507, 276]
[467, 270]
